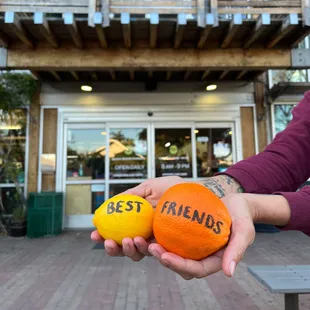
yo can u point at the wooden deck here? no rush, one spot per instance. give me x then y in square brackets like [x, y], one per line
[65, 273]
[194, 26]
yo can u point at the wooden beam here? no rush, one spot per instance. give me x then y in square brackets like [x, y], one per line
[300, 38]
[94, 76]
[154, 21]
[113, 75]
[290, 23]
[98, 21]
[36, 75]
[125, 21]
[55, 75]
[75, 75]
[179, 31]
[205, 74]
[68, 59]
[11, 19]
[168, 75]
[204, 34]
[3, 40]
[224, 73]
[187, 75]
[131, 75]
[73, 29]
[241, 74]
[234, 26]
[262, 23]
[44, 28]
[254, 11]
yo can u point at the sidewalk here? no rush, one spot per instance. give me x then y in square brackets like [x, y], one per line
[66, 273]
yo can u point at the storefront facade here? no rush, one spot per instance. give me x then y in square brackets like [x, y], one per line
[188, 134]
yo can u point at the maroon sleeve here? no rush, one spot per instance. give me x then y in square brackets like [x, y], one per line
[285, 163]
[300, 210]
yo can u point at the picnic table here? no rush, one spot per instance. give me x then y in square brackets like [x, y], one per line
[281, 262]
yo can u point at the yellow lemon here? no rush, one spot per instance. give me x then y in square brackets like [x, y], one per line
[124, 215]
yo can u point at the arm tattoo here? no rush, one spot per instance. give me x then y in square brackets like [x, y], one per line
[215, 187]
[222, 185]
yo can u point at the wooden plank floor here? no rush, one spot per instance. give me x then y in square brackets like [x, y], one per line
[65, 273]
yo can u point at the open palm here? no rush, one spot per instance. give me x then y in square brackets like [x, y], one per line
[137, 248]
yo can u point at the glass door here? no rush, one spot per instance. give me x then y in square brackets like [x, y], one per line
[85, 172]
[173, 150]
[215, 148]
[97, 169]
[104, 160]
[128, 163]
[192, 150]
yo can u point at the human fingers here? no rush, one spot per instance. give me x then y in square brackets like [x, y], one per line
[243, 234]
[130, 250]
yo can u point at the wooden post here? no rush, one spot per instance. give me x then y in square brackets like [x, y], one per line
[261, 113]
[247, 129]
[33, 145]
[49, 145]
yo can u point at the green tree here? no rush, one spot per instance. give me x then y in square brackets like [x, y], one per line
[16, 92]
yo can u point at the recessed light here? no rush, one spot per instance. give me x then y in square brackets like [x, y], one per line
[196, 131]
[167, 144]
[211, 87]
[86, 88]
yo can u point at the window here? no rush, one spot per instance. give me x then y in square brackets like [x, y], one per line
[12, 158]
[282, 116]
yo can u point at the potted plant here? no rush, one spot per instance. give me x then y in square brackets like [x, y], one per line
[17, 224]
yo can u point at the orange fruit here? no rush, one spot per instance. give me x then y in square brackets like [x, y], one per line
[191, 221]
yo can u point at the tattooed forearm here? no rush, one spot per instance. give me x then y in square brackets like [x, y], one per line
[215, 187]
[222, 185]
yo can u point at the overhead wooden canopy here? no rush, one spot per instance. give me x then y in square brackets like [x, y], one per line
[154, 39]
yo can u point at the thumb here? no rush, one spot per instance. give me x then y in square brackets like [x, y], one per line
[242, 236]
[139, 190]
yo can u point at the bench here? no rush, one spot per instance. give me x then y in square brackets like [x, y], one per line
[289, 280]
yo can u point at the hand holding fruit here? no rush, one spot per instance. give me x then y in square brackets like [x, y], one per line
[186, 215]
[137, 248]
[242, 235]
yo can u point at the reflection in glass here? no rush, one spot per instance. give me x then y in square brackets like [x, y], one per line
[288, 76]
[173, 152]
[128, 153]
[214, 150]
[12, 145]
[9, 199]
[282, 116]
[86, 150]
[116, 189]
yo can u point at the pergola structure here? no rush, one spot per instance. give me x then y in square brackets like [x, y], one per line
[154, 40]
[150, 41]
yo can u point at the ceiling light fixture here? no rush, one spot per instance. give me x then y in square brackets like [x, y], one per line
[211, 87]
[86, 88]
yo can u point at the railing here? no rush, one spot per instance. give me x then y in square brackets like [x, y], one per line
[199, 8]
